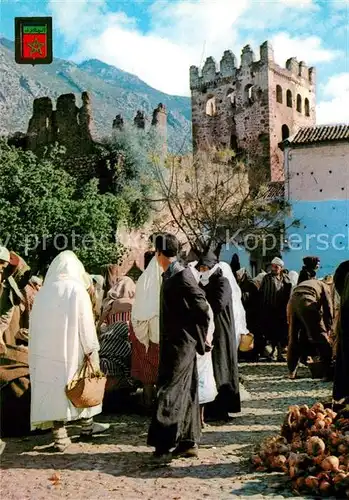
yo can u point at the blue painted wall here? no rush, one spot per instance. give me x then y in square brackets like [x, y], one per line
[228, 251]
[323, 231]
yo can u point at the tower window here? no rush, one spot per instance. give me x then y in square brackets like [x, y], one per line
[306, 107]
[279, 94]
[289, 98]
[231, 96]
[299, 103]
[285, 132]
[249, 91]
[211, 109]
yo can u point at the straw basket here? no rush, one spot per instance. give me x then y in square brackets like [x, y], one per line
[87, 387]
[246, 342]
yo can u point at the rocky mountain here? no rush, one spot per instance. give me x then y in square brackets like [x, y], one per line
[112, 91]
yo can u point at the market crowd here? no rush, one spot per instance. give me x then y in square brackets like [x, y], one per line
[175, 335]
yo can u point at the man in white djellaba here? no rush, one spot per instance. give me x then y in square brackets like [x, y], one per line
[61, 332]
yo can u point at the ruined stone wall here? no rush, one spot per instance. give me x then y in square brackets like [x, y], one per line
[68, 124]
[236, 107]
[159, 122]
[157, 129]
[40, 128]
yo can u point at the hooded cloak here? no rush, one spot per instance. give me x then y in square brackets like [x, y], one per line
[224, 354]
[61, 332]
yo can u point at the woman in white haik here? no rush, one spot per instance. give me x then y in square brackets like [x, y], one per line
[61, 332]
[239, 316]
[207, 385]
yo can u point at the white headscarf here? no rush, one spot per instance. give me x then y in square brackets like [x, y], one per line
[146, 307]
[279, 262]
[35, 280]
[197, 276]
[200, 277]
[238, 309]
[66, 266]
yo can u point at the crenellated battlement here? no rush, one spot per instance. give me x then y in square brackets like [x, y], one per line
[213, 73]
[252, 106]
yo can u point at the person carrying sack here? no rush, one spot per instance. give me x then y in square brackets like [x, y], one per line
[61, 333]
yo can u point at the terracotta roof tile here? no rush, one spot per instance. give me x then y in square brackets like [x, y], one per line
[320, 133]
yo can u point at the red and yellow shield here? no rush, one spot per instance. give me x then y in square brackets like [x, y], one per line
[33, 40]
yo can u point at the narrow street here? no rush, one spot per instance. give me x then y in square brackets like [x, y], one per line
[118, 465]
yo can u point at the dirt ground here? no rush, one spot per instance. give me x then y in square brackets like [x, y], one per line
[118, 464]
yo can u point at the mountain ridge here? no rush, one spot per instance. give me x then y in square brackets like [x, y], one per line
[112, 90]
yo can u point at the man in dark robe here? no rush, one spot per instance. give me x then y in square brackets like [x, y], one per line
[274, 295]
[250, 301]
[308, 271]
[224, 353]
[184, 321]
[341, 378]
[311, 321]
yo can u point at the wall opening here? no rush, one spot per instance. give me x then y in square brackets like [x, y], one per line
[231, 96]
[285, 132]
[211, 109]
[289, 98]
[299, 103]
[306, 107]
[249, 90]
[233, 142]
[279, 94]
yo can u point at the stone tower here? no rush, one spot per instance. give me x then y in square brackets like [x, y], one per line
[253, 107]
[159, 122]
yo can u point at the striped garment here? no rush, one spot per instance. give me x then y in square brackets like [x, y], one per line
[115, 351]
[124, 317]
[145, 363]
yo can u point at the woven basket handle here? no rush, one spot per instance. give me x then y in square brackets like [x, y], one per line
[87, 366]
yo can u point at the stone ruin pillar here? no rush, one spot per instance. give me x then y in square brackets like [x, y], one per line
[139, 120]
[159, 122]
[85, 116]
[118, 123]
[66, 118]
[40, 131]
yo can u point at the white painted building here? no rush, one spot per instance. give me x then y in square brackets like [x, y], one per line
[317, 186]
